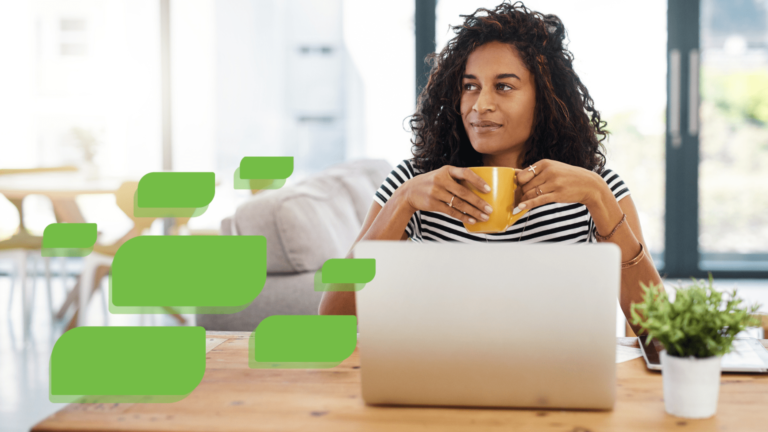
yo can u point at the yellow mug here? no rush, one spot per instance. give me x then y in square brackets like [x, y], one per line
[501, 198]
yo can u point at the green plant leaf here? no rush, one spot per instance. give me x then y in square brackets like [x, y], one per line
[701, 322]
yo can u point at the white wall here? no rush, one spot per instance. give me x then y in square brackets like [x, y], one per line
[381, 43]
[193, 80]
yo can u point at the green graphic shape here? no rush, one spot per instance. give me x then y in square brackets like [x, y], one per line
[68, 239]
[263, 172]
[266, 167]
[174, 194]
[256, 184]
[349, 270]
[302, 341]
[187, 274]
[126, 364]
[321, 286]
[350, 274]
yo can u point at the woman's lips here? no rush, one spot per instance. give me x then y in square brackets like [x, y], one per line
[485, 127]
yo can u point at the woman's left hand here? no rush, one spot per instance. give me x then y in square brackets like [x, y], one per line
[557, 182]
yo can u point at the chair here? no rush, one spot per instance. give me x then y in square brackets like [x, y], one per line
[98, 263]
[305, 224]
[20, 250]
[23, 248]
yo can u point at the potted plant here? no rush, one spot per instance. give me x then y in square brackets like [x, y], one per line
[695, 330]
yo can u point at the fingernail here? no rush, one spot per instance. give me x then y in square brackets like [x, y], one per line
[472, 221]
[522, 206]
[484, 217]
[516, 211]
[488, 209]
[487, 188]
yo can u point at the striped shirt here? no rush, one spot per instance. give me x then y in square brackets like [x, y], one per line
[553, 222]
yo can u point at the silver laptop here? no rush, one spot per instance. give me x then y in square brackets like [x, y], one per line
[747, 355]
[491, 325]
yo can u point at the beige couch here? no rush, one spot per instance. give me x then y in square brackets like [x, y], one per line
[305, 224]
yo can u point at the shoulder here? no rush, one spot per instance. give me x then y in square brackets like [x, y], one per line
[406, 169]
[615, 183]
[402, 172]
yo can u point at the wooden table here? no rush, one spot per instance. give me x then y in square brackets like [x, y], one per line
[60, 187]
[233, 397]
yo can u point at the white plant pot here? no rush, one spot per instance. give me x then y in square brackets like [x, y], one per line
[691, 385]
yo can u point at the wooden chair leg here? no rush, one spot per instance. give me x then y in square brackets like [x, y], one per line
[71, 299]
[173, 313]
[101, 271]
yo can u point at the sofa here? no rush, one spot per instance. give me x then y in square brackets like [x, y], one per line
[305, 224]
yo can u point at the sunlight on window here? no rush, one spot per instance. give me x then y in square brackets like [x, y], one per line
[733, 170]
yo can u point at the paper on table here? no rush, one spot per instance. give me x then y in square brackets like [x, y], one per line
[625, 353]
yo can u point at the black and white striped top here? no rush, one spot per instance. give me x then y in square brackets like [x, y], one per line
[554, 222]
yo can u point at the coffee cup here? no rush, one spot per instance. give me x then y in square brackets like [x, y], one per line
[501, 198]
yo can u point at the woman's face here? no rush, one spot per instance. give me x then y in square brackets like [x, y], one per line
[497, 101]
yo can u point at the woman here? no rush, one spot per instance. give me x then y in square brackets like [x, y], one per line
[503, 92]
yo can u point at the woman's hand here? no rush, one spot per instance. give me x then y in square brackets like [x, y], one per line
[433, 191]
[557, 182]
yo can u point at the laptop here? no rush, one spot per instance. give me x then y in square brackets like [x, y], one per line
[489, 325]
[748, 355]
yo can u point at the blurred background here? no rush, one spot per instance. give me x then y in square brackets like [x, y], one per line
[96, 93]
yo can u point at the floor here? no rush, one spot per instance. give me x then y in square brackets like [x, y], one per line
[24, 363]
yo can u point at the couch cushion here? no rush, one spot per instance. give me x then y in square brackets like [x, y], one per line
[282, 295]
[375, 171]
[226, 226]
[315, 219]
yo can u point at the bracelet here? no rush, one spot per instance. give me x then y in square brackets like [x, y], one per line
[634, 261]
[601, 238]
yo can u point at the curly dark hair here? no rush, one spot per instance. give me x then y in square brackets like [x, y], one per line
[566, 126]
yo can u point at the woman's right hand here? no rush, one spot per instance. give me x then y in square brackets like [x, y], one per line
[434, 190]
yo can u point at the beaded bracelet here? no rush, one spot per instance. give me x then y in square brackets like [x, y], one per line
[601, 238]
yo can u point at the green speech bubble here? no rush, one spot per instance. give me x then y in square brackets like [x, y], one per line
[266, 167]
[302, 341]
[256, 184]
[126, 364]
[263, 172]
[187, 274]
[174, 194]
[349, 270]
[348, 274]
[68, 239]
[320, 286]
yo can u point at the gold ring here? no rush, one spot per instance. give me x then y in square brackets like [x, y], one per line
[532, 169]
[538, 191]
[451, 203]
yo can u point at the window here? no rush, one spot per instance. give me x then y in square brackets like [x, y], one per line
[733, 170]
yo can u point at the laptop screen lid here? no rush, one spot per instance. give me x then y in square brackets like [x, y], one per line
[504, 325]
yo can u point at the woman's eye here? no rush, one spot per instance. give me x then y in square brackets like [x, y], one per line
[503, 87]
[469, 86]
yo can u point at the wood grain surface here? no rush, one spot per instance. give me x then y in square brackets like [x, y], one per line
[233, 397]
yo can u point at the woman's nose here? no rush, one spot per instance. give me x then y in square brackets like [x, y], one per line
[485, 101]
